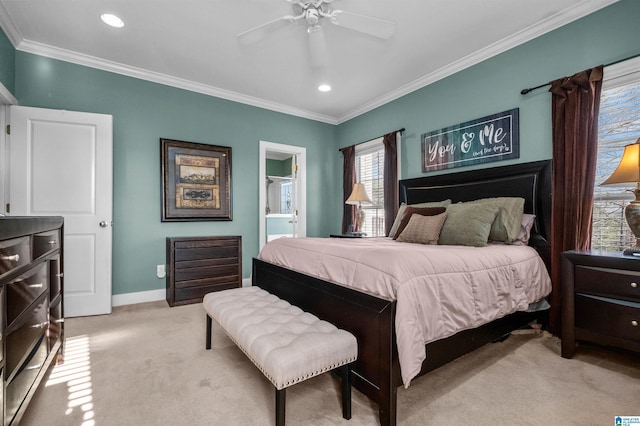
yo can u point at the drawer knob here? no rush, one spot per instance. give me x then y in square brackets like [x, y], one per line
[634, 323]
[53, 242]
[634, 285]
[13, 258]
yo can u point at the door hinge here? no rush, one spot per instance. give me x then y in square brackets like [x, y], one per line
[7, 208]
[8, 129]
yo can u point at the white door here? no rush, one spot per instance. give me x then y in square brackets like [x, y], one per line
[61, 165]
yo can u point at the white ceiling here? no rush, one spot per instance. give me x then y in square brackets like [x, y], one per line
[192, 44]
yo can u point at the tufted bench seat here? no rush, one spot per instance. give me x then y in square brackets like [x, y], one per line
[287, 344]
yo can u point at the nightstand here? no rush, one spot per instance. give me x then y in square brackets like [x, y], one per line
[600, 300]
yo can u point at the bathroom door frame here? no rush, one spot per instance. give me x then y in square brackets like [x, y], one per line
[301, 187]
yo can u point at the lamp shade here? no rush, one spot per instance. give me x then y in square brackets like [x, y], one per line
[628, 171]
[358, 195]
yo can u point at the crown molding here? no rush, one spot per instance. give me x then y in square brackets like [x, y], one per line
[553, 22]
[9, 28]
[42, 49]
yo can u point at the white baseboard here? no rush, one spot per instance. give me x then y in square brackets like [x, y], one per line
[150, 296]
[138, 297]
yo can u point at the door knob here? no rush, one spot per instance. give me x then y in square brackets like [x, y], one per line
[103, 224]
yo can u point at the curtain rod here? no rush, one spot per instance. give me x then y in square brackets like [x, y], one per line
[360, 143]
[531, 89]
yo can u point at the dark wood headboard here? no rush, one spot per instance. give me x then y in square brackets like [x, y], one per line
[531, 181]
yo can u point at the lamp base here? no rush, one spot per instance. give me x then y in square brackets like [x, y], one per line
[632, 214]
[360, 217]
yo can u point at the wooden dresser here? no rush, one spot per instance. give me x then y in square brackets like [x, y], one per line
[31, 287]
[600, 300]
[199, 265]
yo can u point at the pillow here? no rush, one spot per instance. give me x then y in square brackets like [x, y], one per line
[525, 230]
[506, 226]
[468, 224]
[400, 214]
[411, 210]
[423, 229]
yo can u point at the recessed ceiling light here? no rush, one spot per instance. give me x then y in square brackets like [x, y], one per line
[112, 20]
[324, 88]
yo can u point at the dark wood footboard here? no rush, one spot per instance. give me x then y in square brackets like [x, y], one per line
[376, 373]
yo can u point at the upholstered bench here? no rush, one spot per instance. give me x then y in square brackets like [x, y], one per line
[287, 344]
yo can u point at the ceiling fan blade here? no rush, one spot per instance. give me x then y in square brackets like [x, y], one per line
[260, 32]
[375, 27]
[318, 54]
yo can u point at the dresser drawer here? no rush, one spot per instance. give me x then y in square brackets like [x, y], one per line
[26, 288]
[18, 388]
[615, 318]
[56, 322]
[199, 253]
[55, 277]
[608, 282]
[14, 253]
[25, 333]
[45, 242]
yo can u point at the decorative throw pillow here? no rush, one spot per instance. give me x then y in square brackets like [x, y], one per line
[468, 224]
[525, 230]
[400, 214]
[423, 229]
[506, 225]
[424, 211]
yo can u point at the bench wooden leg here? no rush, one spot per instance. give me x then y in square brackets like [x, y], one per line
[281, 399]
[208, 344]
[346, 390]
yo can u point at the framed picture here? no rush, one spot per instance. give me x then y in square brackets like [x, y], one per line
[492, 138]
[196, 181]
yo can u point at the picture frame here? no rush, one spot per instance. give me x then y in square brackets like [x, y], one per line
[495, 137]
[196, 181]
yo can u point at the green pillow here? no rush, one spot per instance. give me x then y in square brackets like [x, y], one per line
[506, 226]
[400, 214]
[468, 224]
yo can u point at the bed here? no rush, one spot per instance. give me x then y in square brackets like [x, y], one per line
[372, 319]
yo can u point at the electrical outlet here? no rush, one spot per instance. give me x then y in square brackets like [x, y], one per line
[160, 272]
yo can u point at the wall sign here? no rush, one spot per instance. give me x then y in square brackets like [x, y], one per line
[492, 138]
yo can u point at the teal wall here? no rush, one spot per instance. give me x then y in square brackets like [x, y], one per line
[143, 112]
[278, 167]
[494, 85]
[7, 63]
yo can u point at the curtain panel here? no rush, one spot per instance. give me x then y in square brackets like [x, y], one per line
[348, 180]
[390, 142]
[575, 106]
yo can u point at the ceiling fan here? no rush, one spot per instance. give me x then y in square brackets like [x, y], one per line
[315, 12]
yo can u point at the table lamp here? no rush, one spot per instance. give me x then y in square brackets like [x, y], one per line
[358, 196]
[627, 173]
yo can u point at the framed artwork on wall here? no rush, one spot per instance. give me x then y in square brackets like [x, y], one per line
[196, 181]
[492, 138]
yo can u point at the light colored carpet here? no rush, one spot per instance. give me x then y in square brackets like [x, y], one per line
[146, 365]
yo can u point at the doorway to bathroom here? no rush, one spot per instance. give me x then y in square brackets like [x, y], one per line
[282, 183]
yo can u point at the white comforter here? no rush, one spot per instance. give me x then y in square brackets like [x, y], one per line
[440, 290]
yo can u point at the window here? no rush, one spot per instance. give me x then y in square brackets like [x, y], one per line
[618, 125]
[370, 172]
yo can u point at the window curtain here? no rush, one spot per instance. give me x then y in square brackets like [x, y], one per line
[390, 142]
[348, 180]
[575, 105]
